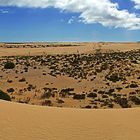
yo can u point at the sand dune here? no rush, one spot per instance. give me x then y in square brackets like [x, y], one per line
[24, 122]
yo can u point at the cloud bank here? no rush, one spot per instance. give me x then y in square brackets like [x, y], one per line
[91, 11]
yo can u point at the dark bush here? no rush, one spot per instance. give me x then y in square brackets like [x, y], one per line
[10, 90]
[22, 80]
[119, 88]
[133, 85]
[65, 92]
[114, 78]
[92, 95]
[111, 90]
[138, 77]
[47, 103]
[101, 92]
[104, 96]
[9, 65]
[30, 87]
[79, 96]
[4, 96]
[88, 107]
[123, 102]
[135, 99]
[60, 101]
[110, 105]
[9, 81]
[134, 61]
[26, 69]
[47, 93]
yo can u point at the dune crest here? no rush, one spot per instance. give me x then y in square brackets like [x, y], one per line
[24, 122]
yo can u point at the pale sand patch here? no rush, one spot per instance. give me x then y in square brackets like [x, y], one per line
[24, 122]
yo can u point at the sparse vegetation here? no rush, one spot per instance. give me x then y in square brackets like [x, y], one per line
[112, 73]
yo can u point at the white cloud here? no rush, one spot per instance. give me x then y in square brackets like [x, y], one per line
[71, 20]
[91, 11]
[137, 2]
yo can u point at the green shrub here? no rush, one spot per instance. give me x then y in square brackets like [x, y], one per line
[4, 96]
[9, 65]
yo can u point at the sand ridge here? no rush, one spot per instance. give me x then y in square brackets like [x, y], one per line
[20, 121]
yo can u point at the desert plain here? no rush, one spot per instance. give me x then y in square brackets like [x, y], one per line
[77, 75]
[89, 91]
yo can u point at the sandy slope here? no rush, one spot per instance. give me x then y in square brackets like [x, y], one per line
[24, 122]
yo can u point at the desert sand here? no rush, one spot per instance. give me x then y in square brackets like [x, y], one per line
[26, 122]
[80, 81]
[70, 48]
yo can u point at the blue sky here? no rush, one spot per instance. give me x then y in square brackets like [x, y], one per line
[55, 23]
